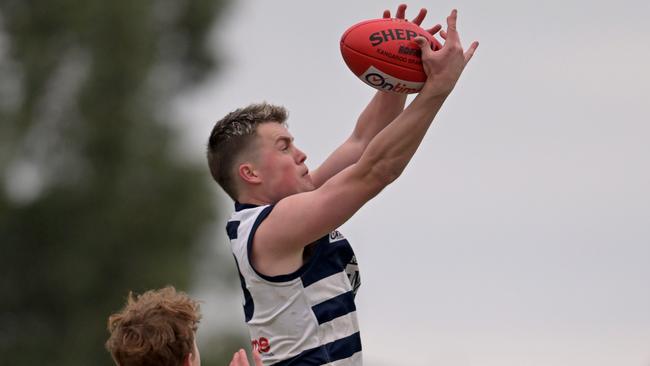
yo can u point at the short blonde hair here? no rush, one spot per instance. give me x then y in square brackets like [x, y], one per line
[232, 135]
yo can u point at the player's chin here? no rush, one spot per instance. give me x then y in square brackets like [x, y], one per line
[308, 185]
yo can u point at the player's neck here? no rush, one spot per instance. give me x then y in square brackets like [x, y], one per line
[253, 199]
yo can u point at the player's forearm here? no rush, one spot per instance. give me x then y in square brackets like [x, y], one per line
[391, 150]
[382, 109]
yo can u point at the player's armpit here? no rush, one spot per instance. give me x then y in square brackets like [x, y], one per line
[303, 218]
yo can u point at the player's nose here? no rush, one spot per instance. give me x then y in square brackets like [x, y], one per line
[300, 156]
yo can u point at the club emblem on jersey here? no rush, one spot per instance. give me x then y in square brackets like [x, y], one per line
[352, 270]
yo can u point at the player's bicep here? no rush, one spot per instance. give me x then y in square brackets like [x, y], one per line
[300, 219]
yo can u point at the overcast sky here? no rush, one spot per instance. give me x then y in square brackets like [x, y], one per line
[520, 232]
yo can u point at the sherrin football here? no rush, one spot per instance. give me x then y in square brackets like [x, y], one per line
[382, 53]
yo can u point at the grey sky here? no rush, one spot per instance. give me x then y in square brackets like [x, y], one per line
[520, 233]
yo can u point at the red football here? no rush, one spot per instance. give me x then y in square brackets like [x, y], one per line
[382, 53]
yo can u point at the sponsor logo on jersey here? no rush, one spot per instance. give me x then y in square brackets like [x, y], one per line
[336, 236]
[262, 345]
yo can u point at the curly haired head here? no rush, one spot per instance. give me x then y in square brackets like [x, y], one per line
[233, 135]
[154, 328]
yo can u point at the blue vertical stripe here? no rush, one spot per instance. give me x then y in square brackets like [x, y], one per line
[333, 258]
[249, 306]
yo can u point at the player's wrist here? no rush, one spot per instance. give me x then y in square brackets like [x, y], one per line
[433, 90]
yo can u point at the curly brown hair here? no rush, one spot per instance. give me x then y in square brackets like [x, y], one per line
[154, 328]
[232, 135]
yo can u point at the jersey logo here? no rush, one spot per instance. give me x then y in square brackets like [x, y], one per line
[352, 270]
[336, 236]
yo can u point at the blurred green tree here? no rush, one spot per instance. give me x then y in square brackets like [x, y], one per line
[94, 199]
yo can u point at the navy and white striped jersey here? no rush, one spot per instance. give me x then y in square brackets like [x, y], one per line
[307, 317]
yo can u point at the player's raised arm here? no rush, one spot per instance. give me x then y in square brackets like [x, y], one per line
[382, 109]
[300, 219]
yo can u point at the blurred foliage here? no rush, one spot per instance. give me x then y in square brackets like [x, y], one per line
[94, 200]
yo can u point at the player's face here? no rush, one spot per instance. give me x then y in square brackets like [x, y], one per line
[281, 164]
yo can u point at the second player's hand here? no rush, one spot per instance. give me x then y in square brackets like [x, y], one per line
[240, 359]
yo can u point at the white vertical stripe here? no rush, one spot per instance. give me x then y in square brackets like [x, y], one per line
[328, 288]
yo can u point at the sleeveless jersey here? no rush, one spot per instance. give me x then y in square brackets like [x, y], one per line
[307, 317]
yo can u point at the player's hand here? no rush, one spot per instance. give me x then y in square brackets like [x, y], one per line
[401, 13]
[443, 67]
[240, 359]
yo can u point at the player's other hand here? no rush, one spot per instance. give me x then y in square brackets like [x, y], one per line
[443, 67]
[240, 359]
[401, 13]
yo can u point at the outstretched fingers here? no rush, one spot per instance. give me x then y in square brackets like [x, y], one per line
[435, 29]
[401, 14]
[239, 359]
[452, 32]
[420, 17]
[257, 358]
[451, 35]
[244, 359]
[470, 51]
[452, 38]
[401, 11]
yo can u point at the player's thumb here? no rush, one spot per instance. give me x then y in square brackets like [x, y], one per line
[424, 45]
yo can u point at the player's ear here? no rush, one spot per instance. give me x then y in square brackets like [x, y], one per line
[188, 359]
[248, 173]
